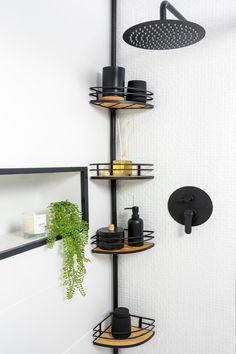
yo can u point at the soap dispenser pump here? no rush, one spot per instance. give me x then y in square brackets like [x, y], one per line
[135, 228]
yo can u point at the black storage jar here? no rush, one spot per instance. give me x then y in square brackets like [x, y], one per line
[113, 82]
[121, 323]
[110, 238]
[136, 91]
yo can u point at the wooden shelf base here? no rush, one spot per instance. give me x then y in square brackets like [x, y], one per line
[121, 104]
[122, 177]
[135, 339]
[126, 249]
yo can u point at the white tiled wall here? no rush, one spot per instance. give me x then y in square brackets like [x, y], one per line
[187, 281]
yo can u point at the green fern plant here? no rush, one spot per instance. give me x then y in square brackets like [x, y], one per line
[66, 220]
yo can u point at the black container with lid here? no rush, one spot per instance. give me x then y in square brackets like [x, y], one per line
[136, 91]
[110, 238]
[121, 323]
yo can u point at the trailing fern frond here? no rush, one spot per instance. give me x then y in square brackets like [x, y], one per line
[66, 220]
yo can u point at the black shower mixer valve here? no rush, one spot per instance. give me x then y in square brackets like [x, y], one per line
[190, 206]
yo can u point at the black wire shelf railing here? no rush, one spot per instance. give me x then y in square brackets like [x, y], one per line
[121, 170]
[116, 97]
[128, 244]
[142, 330]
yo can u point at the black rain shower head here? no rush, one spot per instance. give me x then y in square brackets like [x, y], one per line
[164, 34]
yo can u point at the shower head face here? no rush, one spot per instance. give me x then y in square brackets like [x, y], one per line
[164, 34]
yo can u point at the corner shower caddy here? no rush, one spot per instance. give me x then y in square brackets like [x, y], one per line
[139, 171]
[142, 328]
[124, 104]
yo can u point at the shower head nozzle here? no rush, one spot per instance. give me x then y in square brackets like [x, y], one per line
[164, 34]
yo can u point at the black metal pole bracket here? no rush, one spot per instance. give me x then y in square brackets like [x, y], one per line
[165, 5]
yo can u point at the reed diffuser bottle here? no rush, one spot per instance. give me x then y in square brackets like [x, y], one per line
[122, 167]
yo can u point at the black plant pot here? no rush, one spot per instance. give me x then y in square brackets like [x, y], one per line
[137, 91]
[121, 323]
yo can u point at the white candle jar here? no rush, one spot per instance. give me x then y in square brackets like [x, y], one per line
[34, 224]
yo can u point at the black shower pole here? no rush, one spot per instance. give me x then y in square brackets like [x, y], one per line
[113, 112]
[113, 32]
[113, 149]
[113, 157]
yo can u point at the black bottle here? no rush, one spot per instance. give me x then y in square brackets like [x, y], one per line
[135, 228]
[121, 323]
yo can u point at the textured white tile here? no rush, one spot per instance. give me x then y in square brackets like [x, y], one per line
[185, 282]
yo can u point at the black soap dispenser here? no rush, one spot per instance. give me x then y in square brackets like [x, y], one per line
[135, 228]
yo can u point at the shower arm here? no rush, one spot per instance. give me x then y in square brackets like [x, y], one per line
[165, 5]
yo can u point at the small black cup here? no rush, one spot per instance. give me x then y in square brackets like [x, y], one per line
[121, 323]
[136, 91]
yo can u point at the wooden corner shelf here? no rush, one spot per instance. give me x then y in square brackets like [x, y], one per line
[136, 338]
[121, 104]
[121, 177]
[121, 170]
[126, 249]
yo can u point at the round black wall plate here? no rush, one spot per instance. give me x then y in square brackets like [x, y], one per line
[192, 198]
